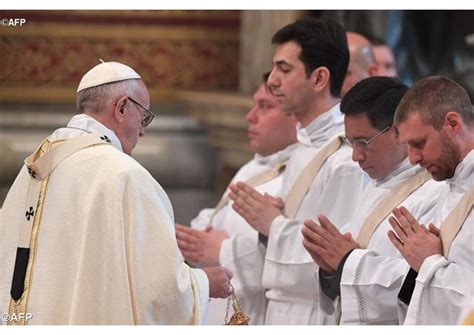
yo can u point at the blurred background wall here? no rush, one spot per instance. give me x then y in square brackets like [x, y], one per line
[201, 68]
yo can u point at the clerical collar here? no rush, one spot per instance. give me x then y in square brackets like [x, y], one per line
[81, 129]
[401, 172]
[322, 128]
[81, 124]
[277, 157]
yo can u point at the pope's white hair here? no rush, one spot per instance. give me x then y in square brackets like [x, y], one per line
[93, 100]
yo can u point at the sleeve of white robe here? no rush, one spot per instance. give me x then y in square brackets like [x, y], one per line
[163, 289]
[443, 284]
[440, 292]
[334, 193]
[371, 280]
[244, 257]
[370, 285]
[202, 220]
[243, 252]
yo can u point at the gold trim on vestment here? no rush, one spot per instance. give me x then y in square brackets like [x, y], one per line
[469, 320]
[19, 308]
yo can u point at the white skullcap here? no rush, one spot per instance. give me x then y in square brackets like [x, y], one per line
[105, 73]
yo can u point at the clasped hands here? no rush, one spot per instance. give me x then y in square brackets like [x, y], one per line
[414, 241]
[259, 210]
[326, 245]
[200, 247]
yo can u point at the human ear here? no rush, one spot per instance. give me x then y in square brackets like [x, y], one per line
[119, 110]
[452, 120]
[320, 78]
[372, 70]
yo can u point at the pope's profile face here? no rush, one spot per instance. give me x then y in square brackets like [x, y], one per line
[131, 129]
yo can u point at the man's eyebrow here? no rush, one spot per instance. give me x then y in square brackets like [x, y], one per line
[282, 62]
[415, 141]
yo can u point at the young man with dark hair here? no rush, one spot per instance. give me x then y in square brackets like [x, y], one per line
[322, 44]
[309, 66]
[361, 272]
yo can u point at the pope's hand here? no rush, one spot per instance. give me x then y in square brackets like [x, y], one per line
[219, 281]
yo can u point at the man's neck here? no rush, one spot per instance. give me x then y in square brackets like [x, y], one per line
[317, 108]
[104, 118]
[276, 149]
[466, 143]
[396, 165]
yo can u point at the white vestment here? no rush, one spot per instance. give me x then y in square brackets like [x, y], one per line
[241, 253]
[289, 269]
[372, 277]
[106, 248]
[443, 284]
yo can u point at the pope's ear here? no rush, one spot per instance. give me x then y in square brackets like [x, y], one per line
[119, 109]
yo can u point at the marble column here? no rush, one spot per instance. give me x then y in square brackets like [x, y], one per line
[256, 50]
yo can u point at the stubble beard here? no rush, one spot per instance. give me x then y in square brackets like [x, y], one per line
[449, 159]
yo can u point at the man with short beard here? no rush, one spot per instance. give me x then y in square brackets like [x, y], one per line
[436, 120]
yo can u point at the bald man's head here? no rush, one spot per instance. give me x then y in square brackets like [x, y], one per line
[361, 63]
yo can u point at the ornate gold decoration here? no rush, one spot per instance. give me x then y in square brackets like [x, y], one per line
[20, 307]
[469, 320]
[239, 318]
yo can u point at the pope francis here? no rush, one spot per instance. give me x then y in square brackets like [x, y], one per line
[86, 233]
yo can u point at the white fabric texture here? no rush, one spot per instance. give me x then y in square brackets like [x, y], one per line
[241, 253]
[443, 284]
[106, 250]
[372, 277]
[335, 192]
